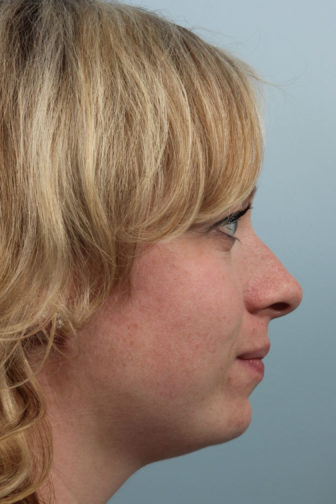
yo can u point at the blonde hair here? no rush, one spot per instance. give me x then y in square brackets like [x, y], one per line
[117, 128]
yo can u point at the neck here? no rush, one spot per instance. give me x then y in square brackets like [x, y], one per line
[88, 465]
[81, 475]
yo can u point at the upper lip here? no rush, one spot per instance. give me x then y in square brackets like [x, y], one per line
[258, 353]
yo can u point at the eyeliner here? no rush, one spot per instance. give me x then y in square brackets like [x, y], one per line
[234, 216]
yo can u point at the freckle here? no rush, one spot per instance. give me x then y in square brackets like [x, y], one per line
[132, 326]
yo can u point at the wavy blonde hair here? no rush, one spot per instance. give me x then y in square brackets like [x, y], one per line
[117, 128]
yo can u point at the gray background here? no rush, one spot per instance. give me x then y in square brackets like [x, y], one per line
[288, 455]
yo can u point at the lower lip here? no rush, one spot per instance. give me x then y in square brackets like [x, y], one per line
[254, 365]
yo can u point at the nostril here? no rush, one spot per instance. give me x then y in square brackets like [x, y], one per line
[281, 307]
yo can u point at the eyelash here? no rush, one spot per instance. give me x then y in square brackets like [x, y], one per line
[229, 220]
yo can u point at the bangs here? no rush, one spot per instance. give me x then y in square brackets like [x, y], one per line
[212, 142]
[230, 136]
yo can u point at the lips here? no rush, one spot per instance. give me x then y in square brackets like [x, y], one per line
[258, 353]
[252, 359]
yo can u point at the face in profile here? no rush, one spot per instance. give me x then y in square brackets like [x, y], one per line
[122, 132]
[176, 362]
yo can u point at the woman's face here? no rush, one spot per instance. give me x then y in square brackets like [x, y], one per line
[171, 364]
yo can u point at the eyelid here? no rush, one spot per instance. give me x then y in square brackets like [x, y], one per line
[233, 217]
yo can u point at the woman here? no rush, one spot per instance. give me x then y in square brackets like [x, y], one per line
[135, 296]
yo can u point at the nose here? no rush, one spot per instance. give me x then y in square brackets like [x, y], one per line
[270, 290]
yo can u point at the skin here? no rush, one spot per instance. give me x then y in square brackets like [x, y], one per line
[157, 375]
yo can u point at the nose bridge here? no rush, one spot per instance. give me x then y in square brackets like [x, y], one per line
[270, 287]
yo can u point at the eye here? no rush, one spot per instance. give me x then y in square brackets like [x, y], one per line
[229, 228]
[229, 224]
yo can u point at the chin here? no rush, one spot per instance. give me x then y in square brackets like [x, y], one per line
[213, 425]
[209, 431]
[240, 421]
[226, 425]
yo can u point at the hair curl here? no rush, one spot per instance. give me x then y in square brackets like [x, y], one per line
[117, 129]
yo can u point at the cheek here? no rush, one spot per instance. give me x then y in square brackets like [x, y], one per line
[188, 322]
